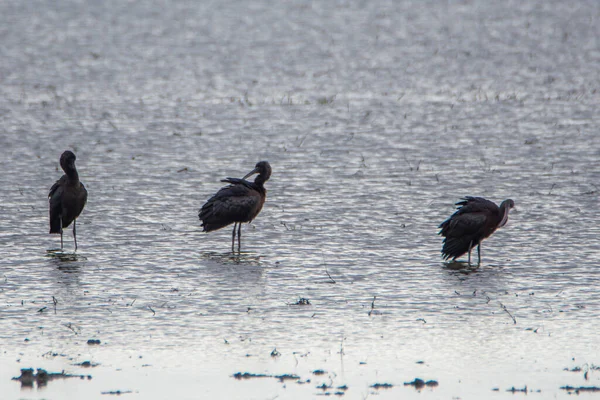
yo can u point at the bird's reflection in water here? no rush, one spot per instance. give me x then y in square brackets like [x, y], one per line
[244, 258]
[66, 262]
[461, 266]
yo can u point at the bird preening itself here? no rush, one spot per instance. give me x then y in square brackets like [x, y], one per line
[239, 202]
[475, 220]
[67, 198]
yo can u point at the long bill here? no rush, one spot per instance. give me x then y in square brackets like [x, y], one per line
[254, 171]
[504, 218]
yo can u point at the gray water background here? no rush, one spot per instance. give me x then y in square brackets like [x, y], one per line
[376, 117]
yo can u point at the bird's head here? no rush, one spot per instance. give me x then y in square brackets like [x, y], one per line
[67, 160]
[505, 207]
[263, 169]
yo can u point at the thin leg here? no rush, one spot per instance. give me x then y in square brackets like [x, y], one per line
[479, 254]
[233, 238]
[75, 233]
[470, 247]
[239, 236]
[61, 232]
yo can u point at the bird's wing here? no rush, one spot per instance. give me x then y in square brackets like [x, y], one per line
[476, 204]
[55, 194]
[244, 188]
[55, 187]
[55, 201]
[232, 203]
[239, 181]
[463, 224]
[235, 201]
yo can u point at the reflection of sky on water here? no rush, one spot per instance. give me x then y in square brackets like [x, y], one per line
[376, 118]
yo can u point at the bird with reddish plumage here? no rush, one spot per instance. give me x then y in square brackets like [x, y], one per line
[239, 202]
[475, 219]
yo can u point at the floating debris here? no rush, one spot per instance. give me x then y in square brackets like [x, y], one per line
[577, 390]
[117, 392]
[93, 341]
[319, 372]
[248, 375]
[302, 301]
[382, 386]
[42, 377]
[419, 383]
[285, 377]
[514, 390]
[275, 353]
[86, 364]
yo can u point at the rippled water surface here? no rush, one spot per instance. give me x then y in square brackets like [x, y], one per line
[376, 117]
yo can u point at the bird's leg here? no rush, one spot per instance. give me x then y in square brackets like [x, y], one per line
[61, 232]
[233, 238]
[478, 254]
[470, 247]
[239, 236]
[74, 233]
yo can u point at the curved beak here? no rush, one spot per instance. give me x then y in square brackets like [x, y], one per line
[504, 218]
[254, 171]
[504, 221]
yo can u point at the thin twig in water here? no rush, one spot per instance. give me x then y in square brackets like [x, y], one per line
[332, 280]
[508, 312]
[372, 306]
[342, 346]
[72, 328]
[303, 139]
[55, 301]
[552, 187]
[153, 312]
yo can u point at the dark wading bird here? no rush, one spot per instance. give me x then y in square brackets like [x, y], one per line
[239, 202]
[475, 220]
[67, 198]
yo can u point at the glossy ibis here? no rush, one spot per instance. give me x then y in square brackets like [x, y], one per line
[239, 202]
[475, 220]
[67, 198]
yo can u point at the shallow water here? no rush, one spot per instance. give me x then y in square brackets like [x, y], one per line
[376, 118]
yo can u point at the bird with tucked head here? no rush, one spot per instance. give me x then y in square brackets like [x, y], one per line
[239, 202]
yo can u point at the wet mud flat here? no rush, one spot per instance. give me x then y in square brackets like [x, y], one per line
[143, 376]
[377, 117]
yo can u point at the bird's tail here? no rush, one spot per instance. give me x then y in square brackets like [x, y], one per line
[455, 247]
[55, 224]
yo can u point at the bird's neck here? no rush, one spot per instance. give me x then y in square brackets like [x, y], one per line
[260, 187]
[72, 174]
[260, 182]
